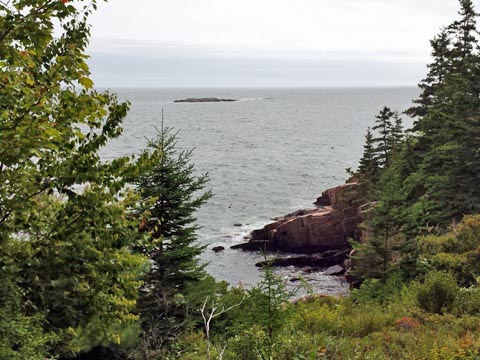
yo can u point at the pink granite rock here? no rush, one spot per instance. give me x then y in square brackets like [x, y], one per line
[315, 230]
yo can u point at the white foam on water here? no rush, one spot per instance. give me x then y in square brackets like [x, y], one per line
[234, 235]
[240, 234]
[251, 99]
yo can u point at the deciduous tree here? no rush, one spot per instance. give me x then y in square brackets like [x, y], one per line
[65, 230]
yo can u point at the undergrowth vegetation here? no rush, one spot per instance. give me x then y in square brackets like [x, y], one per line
[339, 328]
[99, 260]
[434, 317]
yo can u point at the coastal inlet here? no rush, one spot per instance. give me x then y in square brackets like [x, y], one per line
[320, 235]
[270, 153]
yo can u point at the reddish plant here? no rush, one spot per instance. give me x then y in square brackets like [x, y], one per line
[406, 323]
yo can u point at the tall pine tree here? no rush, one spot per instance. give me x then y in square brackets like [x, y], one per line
[378, 151]
[384, 126]
[432, 177]
[429, 86]
[368, 166]
[446, 123]
[171, 193]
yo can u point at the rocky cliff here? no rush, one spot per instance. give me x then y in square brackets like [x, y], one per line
[328, 227]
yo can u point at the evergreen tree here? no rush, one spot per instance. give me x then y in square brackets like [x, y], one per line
[171, 193]
[447, 144]
[378, 255]
[430, 178]
[368, 170]
[464, 31]
[464, 124]
[378, 151]
[384, 126]
[368, 165]
[436, 170]
[429, 86]
[267, 302]
[396, 134]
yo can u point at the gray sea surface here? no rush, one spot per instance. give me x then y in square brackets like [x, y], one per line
[270, 153]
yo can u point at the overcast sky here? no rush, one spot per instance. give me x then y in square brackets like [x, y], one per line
[182, 43]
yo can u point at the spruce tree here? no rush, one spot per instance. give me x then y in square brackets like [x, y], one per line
[171, 192]
[464, 31]
[384, 126]
[378, 151]
[446, 144]
[433, 176]
[429, 86]
[368, 170]
[377, 255]
[396, 133]
[465, 108]
[368, 165]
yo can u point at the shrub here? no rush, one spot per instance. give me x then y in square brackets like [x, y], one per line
[456, 251]
[437, 293]
[468, 301]
[375, 291]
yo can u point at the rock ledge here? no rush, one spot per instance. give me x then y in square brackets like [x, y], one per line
[310, 231]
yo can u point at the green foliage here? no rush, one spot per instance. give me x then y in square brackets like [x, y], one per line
[445, 172]
[462, 237]
[468, 301]
[252, 321]
[170, 194]
[456, 251]
[431, 177]
[65, 224]
[251, 328]
[368, 166]
[438, 293]
[252, 343]
[388, 124]
[335, 328]
[378, 151]
[21, 335]
[267, 300]
[375, 291]
[380, 254]
[168, 335]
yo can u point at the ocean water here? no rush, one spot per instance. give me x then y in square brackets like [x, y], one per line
[270, 153]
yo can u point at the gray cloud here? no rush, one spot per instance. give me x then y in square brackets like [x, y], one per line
[265, 42]
[137, 71]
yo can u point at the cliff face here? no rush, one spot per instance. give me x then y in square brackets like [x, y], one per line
[327, 227]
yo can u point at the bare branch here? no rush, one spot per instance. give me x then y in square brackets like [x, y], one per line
[212, 315]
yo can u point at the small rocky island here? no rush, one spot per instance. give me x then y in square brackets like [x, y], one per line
[197, 100]
[315, 237]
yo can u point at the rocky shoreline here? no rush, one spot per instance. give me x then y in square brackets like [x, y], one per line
[316, 238]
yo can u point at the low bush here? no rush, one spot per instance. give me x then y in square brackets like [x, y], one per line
[376, 291]
[438, 293]
[468, 301]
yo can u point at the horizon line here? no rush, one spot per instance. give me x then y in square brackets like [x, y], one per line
[150, 87]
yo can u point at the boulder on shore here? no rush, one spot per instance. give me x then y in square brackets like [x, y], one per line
[334, 270]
